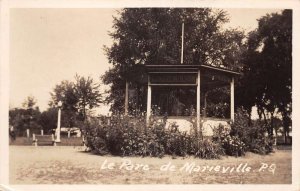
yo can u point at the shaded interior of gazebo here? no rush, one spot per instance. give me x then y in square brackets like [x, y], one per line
[180, 91]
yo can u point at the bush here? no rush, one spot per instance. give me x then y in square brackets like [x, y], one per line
[207, 149]
[176, 142]
[231, 144]
[253, 134]
[243, 136]
[95, 138]
[124, 137]
[129, 137]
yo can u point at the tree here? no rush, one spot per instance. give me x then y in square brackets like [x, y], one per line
[26, 117]
[65, 92]
[153, 36]
[88, 94]
[48, 119]
[18, 121]
[267, 80]
[77, 98]
[29, 103]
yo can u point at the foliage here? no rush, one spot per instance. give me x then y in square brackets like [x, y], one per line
[254, 136]
[233, 146]
[95, 137]
[64, 92]
[78, 98]
[243, 136]
[153, 36]
[48, 119]
[127, 136]
[208, 149]
[26, 117]
[29, 102]
[218, 102]
[269, 54]
[176, 143]
[87, 93]
[131, 137]
[122, 137]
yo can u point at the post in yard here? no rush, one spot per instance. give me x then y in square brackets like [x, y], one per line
[58, 122]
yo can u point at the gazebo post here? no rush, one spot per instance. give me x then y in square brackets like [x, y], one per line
[205, 104]
[126, 99]
[232, 99]
[198, 100]
[148, 102]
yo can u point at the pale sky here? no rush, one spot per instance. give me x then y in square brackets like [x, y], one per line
[51, 45]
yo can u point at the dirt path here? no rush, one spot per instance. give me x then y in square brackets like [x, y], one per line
[70, 165]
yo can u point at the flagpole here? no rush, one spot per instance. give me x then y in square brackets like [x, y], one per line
[182, 38]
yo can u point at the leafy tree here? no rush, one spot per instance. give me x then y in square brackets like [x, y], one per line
[48, 119]
[29, 103]
[153, 36]
[18, 121]
[267, 80]
[65, 92]
[88, 94]
[77, 98]
[26, 117]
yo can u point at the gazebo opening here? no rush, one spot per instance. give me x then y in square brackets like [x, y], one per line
[180, 101]
[174, 101]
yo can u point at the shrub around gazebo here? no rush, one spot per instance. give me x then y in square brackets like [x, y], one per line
[127, 137]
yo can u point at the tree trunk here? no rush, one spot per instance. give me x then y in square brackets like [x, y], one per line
[249, 117]
[266, 124]
[271, 123]
[286, 124]
[126, 98]
[84, 115]
[265, 118]
[259, 112]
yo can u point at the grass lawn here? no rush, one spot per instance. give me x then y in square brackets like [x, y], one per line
[71, 165]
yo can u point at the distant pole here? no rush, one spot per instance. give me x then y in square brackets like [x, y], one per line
[149, 92]
[198, 110]
[182, 40]
[205, 104]
[33, 138]
[232, 99]
[27, 133]
[58, 122]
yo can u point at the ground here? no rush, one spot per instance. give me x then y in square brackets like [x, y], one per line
[71, 165]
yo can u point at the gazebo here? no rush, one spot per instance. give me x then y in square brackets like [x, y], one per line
[199, 79]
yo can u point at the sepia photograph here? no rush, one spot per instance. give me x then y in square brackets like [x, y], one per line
[150, 96]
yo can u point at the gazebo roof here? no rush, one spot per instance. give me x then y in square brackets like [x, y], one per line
[211, 77]
[184, 68]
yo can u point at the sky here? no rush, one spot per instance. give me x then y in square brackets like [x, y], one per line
[51, 45]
